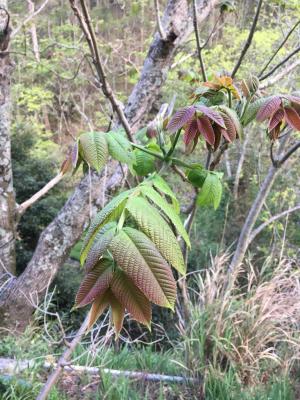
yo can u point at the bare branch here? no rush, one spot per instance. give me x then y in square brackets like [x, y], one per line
[280, 75]
[28, 203]
[289, 153]
[279, 47]
[199, 48]
[88, 30]
[280, 64]
[160, 28]
[271, 220]
[248, 41]
[26, 20]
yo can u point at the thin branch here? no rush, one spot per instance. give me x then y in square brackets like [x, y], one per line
[28, 203]
[289, 153]
[160, 28]
[280, 75]
[279, 47]
[271, 220]
[280, 64]
[88, 30]
[26, 20]
[218, 157]
[199, 48]
[248, 41]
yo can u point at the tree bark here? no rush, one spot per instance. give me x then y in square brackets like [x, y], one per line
[60, 236]
[7, 197]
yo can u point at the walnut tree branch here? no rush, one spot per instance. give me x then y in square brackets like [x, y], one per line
[160, 28]
[199, 48]
[248, 41]
[280, 64]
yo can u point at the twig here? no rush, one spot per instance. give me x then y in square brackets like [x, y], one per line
[160, 28]
[52, 379]
[280, 75]
[199, 48]
[218, 157]
[26, 20]
[271, 220]
[288, 154]
[28, 203]
[248, 41]
[88, 30]
[279, 47]
[280, 64]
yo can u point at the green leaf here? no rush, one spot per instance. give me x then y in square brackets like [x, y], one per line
[98, 307]
[211, 192]
[157, 229]
[167, 209]
[131, 298]
[161, 185]
[119, 147]
[100, 244]
[137, 256]
[144, 163]
[197, 176]
[252, 110]
[110, 212]
[94, 149]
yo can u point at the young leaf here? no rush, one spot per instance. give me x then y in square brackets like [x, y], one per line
[292, 118]
[94, 149]
[95, 283]
[137, 256]
[252, 109]
[277, 117]
[211, 114]
[161, 185]
[157, 229]
[211, 192]
[166, 209]
[131, 298]
[119, 147]
[109, 213]
[197, 176]
[117, 312]
[144, 163]
[268, 108]
[98, 307]
[100, 244]
[190, 131]
[232, 121]
[180, 118]
[206, 130]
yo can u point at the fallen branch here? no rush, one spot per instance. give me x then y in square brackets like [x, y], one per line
[28, 203]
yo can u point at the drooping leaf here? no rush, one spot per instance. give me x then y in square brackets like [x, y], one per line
[252, 109]
[211, 192]
[234, 122]
[292, 118]
[109, 213]
[100, 244]
[135, 302]
[156, 228]
[94, 149]
[117, 312]
[197, 176]
[165, 207]
[160, 184]
[98, 307]
[95, 283]
[276, 118]
[137, 256]
[268, 108]
[190, 131]
[211, 114]
[144, 163]
[206, 130]
[180, 118]
[119, 147]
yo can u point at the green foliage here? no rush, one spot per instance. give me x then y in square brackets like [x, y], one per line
[211, 192]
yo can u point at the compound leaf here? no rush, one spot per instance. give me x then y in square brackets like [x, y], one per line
[94, 149]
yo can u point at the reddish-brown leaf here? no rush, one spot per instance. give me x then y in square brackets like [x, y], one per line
[292, 118]
[98, 307]
[276, 118]
[180, 118]
[212, 114]
[218, 134]
[131, 298]
[94, 284]
[117, 312]
[230, 132]
[274, 133]
[206, 130]
[268, 108]
[190, 132]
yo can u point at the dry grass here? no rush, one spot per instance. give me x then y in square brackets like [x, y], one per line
[252, 327]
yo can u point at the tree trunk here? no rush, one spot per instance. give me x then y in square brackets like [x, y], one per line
[34, 39]
[7, 197]
[60, 236]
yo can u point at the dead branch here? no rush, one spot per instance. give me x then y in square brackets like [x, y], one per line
[29, 18]
[160, 28]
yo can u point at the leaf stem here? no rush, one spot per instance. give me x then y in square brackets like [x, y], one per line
[171, 151]
[152, 153]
